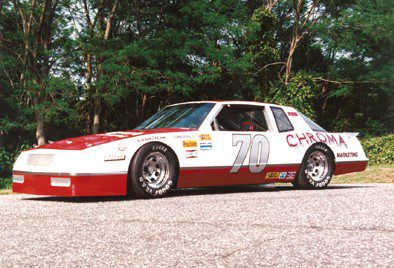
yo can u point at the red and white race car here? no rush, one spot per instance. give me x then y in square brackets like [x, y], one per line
[194, 144]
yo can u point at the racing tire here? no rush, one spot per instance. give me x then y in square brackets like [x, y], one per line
[153, 171]
[317, 168]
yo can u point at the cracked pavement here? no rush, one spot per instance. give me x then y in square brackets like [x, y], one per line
[343, 225]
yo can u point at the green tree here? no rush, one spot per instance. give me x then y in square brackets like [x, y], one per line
[74, 67]
[33, 40]
[358, 42]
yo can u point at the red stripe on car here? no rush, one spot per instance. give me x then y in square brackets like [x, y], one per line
[221, 176]
[350, 166]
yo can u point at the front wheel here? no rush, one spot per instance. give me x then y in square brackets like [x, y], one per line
[153, 171]
[316, 169]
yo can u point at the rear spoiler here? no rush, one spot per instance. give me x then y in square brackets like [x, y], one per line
[355, 134]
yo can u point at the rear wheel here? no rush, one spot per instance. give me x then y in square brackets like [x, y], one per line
[317, 168]
[153, 171]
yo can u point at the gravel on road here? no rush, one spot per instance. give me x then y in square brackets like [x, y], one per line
[343, 225]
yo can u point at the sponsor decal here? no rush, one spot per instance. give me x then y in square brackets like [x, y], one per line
[282, 175]
[114, 157]
[189, 143]
[191, 153]
[292, 114]
[204, 146]
[304, 139]
[185, 136]
[69, 142]
[121, 147]
[154, 138]
[272, 175]
[205, 137]
[290, 175]
[350, 154]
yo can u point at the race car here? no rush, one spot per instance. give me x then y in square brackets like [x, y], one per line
[192, 144]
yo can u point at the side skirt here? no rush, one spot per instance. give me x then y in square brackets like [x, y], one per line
[220, 176]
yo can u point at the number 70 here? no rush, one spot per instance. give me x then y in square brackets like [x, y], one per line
[259, 152]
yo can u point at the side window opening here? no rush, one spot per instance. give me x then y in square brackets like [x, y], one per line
[240, 118]
[282, 121]
[311, 124]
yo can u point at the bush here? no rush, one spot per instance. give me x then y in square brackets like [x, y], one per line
[5, 183]
[7, 160]
[300, 93]
[379, 150]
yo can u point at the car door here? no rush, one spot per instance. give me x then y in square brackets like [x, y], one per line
[236, 151]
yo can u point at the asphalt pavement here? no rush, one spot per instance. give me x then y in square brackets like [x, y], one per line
[341, 226]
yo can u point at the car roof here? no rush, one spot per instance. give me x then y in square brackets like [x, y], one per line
[224, 102]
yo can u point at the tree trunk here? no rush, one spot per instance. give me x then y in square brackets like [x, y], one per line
[40, 129]
[1, 138]
[37, 42]
[97, 113]
[271, 4]
[110, 19]
[143, 108]
[295, 38]
[100, 71]
[289, 61]
[299, 31]
[288, 69]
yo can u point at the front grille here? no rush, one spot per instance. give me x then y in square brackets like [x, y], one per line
[40, 160]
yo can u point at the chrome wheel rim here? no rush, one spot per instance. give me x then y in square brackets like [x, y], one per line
[317, 166]
[155, 170]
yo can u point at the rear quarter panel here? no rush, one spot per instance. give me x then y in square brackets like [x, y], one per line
[348, 152]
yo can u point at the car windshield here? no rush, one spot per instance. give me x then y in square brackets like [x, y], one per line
[190, 115]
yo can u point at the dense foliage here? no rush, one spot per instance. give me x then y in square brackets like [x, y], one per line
[7, 160]
[71, 67]
[379, 150]
[5, 183]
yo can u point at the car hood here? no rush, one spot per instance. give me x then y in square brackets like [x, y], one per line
[84, 142]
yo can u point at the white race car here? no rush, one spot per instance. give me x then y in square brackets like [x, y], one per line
[194, 144]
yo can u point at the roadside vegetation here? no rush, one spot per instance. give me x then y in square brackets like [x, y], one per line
[379, 150]
[380, 153]
[5, 191]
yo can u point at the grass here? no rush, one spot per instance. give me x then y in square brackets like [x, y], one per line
[5, 191]
[383, 173]
[5, 186]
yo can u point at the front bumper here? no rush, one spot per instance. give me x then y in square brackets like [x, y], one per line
[70, 184]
